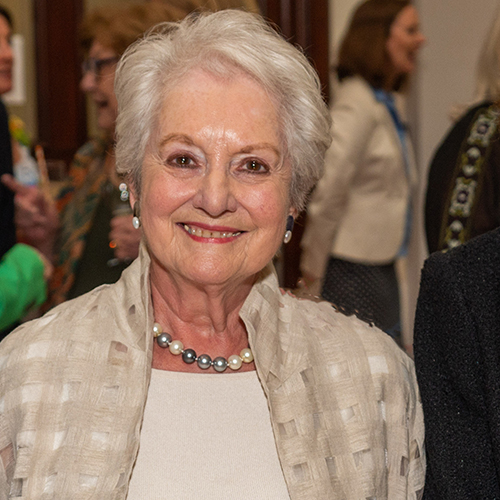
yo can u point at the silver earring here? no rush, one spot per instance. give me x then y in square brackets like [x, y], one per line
[136, 222]
[289, 229]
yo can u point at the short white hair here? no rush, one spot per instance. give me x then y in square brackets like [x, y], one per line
[222, 43]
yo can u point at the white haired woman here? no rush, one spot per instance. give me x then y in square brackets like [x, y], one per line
[195, 375]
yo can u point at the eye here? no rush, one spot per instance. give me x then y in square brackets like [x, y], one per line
[255, 166]
[181, 161]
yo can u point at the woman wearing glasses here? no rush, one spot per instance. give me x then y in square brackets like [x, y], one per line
[88, 232]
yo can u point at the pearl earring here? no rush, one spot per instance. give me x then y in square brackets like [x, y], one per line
[289, 228]
[136, 222]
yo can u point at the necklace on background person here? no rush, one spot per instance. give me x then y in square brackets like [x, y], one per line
[204, 361]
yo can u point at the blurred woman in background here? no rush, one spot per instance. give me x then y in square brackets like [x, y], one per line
[359, 222]
[463, 189]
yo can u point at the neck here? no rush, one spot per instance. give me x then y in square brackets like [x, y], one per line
[203, 318]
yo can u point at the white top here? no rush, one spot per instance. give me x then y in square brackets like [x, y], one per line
[206, 436]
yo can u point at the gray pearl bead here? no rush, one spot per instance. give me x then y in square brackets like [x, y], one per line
[189, 356]
[204, 361]
[164, 340]
[220, 364]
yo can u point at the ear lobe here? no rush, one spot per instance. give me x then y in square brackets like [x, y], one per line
[133, 198]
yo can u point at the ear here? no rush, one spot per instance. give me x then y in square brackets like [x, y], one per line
[132, 194]
[293, 212]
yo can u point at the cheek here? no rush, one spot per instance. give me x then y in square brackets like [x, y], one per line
[268, 207]
[161, 195]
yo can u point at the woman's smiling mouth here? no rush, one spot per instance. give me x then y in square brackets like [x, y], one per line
[200, 232]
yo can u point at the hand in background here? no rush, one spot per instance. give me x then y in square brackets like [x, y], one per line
[124, 238]
[48, 268]
[36, 216]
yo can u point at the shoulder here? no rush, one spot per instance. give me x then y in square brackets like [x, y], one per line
[475, 111]
[66, 322]
[474, 258]
[109, 312]
[460, 291]
[462, 128]
[366, 349]
[92, 149]
[354, 90]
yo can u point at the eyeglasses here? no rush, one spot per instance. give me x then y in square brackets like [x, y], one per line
[95, 66]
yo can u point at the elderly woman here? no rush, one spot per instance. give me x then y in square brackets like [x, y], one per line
[195, 375]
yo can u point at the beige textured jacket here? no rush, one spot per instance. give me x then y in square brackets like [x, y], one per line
[358, 210]
[343, 399]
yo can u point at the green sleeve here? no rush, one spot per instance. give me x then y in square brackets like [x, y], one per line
[22, 285]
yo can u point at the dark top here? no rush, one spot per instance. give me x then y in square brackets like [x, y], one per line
[457, 358]
[98, 264]
[7, 228]
[484, 196]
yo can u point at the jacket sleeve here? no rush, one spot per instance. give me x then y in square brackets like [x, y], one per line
[460, 459]
[354, 121]
[22, 284]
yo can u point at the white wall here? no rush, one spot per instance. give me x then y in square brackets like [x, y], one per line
[455, 31]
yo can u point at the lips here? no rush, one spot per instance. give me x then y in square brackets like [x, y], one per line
[211, 233]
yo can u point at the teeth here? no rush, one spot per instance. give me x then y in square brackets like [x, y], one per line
[203, 233]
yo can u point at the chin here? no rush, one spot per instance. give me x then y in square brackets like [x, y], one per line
[106, 124]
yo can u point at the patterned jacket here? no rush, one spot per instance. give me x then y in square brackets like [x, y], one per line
[343, 400]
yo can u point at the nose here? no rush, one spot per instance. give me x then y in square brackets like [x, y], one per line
[215, 194]
[88, 82]
[421, 39]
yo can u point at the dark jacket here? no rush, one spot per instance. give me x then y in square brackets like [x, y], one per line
[7, 228]
[476, 131]
[457, 356]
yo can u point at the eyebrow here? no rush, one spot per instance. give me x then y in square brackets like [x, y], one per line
[246, 149]
[177, 137]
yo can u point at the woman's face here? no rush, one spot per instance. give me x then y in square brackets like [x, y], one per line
[215, 185]
[405, 40]
[6, 56]
[98, 81]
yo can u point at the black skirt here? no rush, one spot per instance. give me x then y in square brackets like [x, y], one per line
[369, 292]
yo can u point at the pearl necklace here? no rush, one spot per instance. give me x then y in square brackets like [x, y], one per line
[204, 361]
